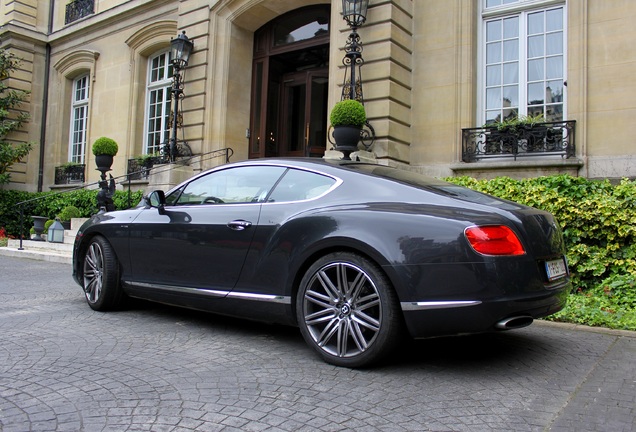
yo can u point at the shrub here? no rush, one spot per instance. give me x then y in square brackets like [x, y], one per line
[50, 204]
[348, 113]
[68, 213]
[105, 146]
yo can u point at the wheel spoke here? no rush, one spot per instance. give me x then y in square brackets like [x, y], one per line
[357, 336]
[343, 337]
[320, 316]
[320, 299]
[343, 284]
[356, 286]
[331, 290]
[367, 302]
[328, 332]
[366, 321]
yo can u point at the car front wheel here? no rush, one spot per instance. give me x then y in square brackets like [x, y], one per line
[347, 310]
[101, 276]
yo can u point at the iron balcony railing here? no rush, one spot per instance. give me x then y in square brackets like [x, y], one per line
[70, 174]
[549, 138]
[78, 9]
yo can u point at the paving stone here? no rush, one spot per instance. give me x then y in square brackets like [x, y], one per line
[64, 367]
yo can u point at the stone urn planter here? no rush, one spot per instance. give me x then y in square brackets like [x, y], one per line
[347, 118]
[38, 227]
[347, 139]
[103, 162]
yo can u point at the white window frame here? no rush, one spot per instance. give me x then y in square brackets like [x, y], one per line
[520, 8]
[78, 129]
[158, 82]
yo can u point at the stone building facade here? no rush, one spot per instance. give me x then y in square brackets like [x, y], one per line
[264, 73]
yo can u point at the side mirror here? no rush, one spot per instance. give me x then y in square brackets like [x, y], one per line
[156, 199]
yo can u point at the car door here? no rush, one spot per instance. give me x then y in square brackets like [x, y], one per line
[284, 229]
[201, 237]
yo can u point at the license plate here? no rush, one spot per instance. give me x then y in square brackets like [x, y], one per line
[555, 269]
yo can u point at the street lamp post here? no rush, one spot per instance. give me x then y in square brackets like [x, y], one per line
[355, 13]
[180, 49]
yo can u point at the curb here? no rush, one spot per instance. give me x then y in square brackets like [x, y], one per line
[36, 255]
[589, 329]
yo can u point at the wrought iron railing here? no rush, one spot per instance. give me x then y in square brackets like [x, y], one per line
[140, 168]
[70, 174]
[78, 9]
[549, 138]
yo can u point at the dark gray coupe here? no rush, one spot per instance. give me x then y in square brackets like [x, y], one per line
[354, 254]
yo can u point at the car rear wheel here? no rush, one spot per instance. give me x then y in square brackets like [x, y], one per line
[101, 276]
[347, 310]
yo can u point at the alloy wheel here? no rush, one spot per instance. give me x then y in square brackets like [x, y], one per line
[342, 310]
[93, 272]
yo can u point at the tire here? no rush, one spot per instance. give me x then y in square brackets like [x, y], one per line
[100, 276]
[347, 311]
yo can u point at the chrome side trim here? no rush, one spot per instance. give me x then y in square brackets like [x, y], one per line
[214, 293]
[260, 297]
[414, 306]
[174, 288]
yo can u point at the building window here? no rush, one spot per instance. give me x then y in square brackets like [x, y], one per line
[78, 9]
[79, 119]
[158, 103]
[524, 61]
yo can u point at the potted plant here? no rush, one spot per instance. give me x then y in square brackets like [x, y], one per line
[104, 149]
[515, 133]
[347, 118]
[68, 213]
[69, 172]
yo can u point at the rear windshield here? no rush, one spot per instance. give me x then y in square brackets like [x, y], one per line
[431, 184]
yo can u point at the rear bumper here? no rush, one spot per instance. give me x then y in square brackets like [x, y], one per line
[442, 318]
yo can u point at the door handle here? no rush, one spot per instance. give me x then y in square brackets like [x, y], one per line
[239, 225]
[307, 134]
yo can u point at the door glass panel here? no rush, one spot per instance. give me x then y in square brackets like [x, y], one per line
[317, 135]
[271, 138]
[295, 111]
[258, 99]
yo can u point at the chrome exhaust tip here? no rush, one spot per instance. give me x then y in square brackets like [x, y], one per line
[514, 322]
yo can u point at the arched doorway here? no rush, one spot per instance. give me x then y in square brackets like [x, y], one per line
[290, 81]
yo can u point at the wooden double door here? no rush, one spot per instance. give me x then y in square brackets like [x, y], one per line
[293, 120]
[290, 82]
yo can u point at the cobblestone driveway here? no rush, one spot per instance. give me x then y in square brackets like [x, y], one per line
[64, 367]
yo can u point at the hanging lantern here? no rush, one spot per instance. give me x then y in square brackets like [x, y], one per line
[180, 49]
[355, 12]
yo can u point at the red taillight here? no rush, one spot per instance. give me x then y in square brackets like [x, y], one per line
[494, 240]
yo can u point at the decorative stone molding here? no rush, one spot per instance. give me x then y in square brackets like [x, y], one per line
[77, 62]
[152, 37]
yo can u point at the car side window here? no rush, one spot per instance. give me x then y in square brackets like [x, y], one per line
[248, 184]
[298, 185]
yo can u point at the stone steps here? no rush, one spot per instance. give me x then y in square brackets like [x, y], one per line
[44, 250]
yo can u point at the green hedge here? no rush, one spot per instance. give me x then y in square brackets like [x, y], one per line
[51, 203]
